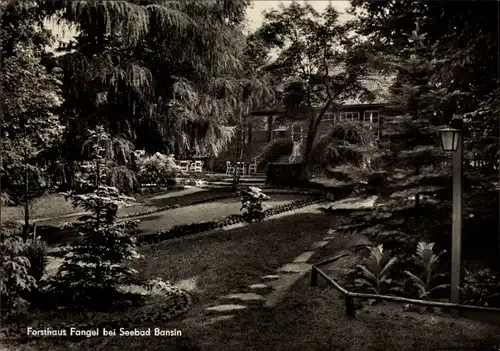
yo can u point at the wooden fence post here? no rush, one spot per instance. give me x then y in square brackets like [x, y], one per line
[349, 306]
[314, 276]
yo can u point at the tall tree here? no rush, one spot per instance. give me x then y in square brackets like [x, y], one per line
[317, 70]
[163, 74]
[31, 96]
[464, 33]
[411, 142]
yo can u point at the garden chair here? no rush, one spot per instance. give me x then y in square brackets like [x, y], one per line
[241, 168]
[197, 166]
[229, 168]
[184, 166]
[252, 167]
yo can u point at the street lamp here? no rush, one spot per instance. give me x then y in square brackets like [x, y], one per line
[452, 141]
[450, 138]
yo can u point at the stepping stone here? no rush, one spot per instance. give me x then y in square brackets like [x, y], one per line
[226, 308]
[281, 288]
[259, 286]
[319, 244]
[271, 277]
[304, 257]
[295, 267]
[245, 297]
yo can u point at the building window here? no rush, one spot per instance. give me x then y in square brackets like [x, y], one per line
[352, 116]
[329, 116]
[346, 116]
[371, 117]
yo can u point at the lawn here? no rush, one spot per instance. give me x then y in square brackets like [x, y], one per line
[307, 319]
[203, 212]
[165, 220]
[221, 263]
[144, 204]
[54, 205]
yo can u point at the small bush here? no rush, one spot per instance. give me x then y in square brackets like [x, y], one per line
[251, 204]
[275, 149]
[157, 169]
[15, 278]
[427, 261]
[344, 143]
[375, 271]
[285, 175]
[36, 252]
[481, 288]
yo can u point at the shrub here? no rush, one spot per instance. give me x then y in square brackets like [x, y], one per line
[36, 252]
[286, 174]
[375, 271]
[275, 149]
[157, 169]
[481, 288]
[15, 279]
[94, 267]
[427, 261]
[342, 144]
[251, 204]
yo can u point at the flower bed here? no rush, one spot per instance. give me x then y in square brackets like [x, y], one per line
[195, 228]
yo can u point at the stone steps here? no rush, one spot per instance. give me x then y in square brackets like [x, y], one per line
[272, 288]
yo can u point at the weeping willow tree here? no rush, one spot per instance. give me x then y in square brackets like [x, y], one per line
[166, 75]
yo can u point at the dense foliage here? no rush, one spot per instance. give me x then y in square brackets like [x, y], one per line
[344, 143]
[318, 64]
[156, 169]
[275, 149]
[16, 270]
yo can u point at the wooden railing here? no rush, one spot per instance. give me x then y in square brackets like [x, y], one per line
[350, 296]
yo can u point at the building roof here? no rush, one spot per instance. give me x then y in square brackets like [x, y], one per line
[378, 85]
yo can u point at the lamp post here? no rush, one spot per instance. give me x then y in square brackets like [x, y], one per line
[451, 140]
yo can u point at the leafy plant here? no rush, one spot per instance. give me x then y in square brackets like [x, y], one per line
[157, 169]
[375, 271]
[275, 149]
[481, 288]
[93, 268]
[36, 252]
[427, 260]
[251, 204]
[15, 278]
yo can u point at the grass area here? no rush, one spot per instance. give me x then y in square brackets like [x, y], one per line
[314, 319]
[46, 206]
[308, 318]
[165, 220]
[54, 205]
[230, 260]
[203, 212]
[222, 262]
[189, 198]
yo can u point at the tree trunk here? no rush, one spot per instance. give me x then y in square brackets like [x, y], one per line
[305, 157]
[239, 156]
[269, 128]
[26, 227]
